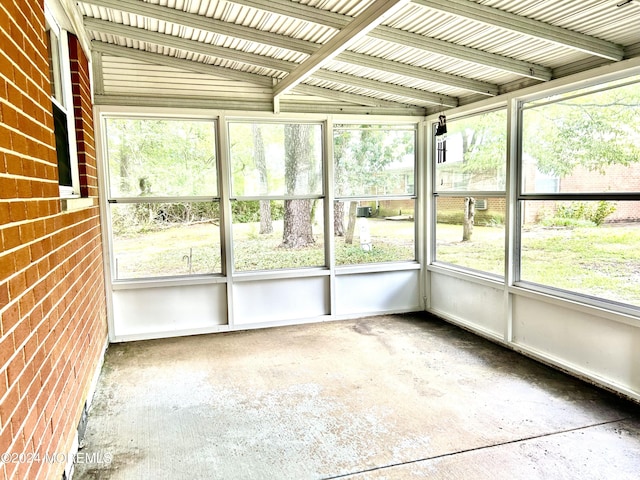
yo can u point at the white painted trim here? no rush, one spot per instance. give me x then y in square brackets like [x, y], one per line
[159, 282]
[576, 371]
[565, 299]
[105, 218]
[255, 326]
[377, 267]
[255, 276]
[597, 75]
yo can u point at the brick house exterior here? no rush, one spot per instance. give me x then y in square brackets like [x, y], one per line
[52, 299]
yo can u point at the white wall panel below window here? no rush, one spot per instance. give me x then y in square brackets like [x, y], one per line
[474, 304]
[605, 350]
[378, 292]
[280, 301]
[168, 311]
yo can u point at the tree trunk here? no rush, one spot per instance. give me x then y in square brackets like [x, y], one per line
[124, 169]
[469, 214]
[338, 218]
[266, 225]
[298, 231]
[351, 226]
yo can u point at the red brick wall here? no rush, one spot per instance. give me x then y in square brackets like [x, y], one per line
[52, 302]
[451, 209]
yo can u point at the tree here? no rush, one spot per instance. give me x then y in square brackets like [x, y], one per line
[482, 141]
[360, 156]
[298, 225]
[161, 157]
[341, 141]
[592, 131]
[266, 224]
[469, 214]
[478, 157]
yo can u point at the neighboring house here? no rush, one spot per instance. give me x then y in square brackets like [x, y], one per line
[617, 178]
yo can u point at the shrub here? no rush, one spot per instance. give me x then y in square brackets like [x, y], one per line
[583, 211]
[249, 211]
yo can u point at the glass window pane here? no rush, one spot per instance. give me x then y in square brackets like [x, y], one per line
[161, 158]
[587, 144]
[374, 160]
[475, 154]
[375, 231]
[589, 247]
[275, 159]
[481, 245]
[61, 131]
[165, 239]
[278, 234]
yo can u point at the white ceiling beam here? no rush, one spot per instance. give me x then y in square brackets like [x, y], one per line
[388, 88]
[346, 97]
[297, 10]
[171, 41]
[134, 33]
[159, 59]
[289, 105]
[172, 15]
[460, 52]
[526, 26]
[414, 40]
[376, 13]
[382, 65]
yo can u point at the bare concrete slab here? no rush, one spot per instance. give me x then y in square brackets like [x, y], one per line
[396, 397]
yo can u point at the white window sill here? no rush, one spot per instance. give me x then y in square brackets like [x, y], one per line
[73, 204]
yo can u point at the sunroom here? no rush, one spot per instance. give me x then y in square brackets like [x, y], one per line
[435, 201]
[268, 163]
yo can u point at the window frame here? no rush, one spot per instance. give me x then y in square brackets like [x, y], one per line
[567, 92]
[350, 124]
[58, 36]
[322, 195]
[129, 200]
[453, 193]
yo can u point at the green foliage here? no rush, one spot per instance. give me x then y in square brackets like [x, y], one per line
[602, 211]
[476, 152]
[593, 131]
[582, 212]
[135, 218]
[485, 218]
[484, 142]
[566, 222]
[372, 159]
[249, 211]
[381, 252]
[493, 220]
[161, 157]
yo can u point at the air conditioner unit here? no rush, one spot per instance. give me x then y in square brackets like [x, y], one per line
[481, 204]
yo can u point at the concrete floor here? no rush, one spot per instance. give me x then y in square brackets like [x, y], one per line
[389, 397]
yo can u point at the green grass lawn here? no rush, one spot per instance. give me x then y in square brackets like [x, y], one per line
[598, 261]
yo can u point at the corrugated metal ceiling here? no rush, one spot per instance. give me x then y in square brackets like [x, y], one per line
[423, 46]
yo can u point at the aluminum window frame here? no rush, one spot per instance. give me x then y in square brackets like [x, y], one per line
[124, 200]
[569, 91]
[58, 36]
[435, 194]
[415, 127]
